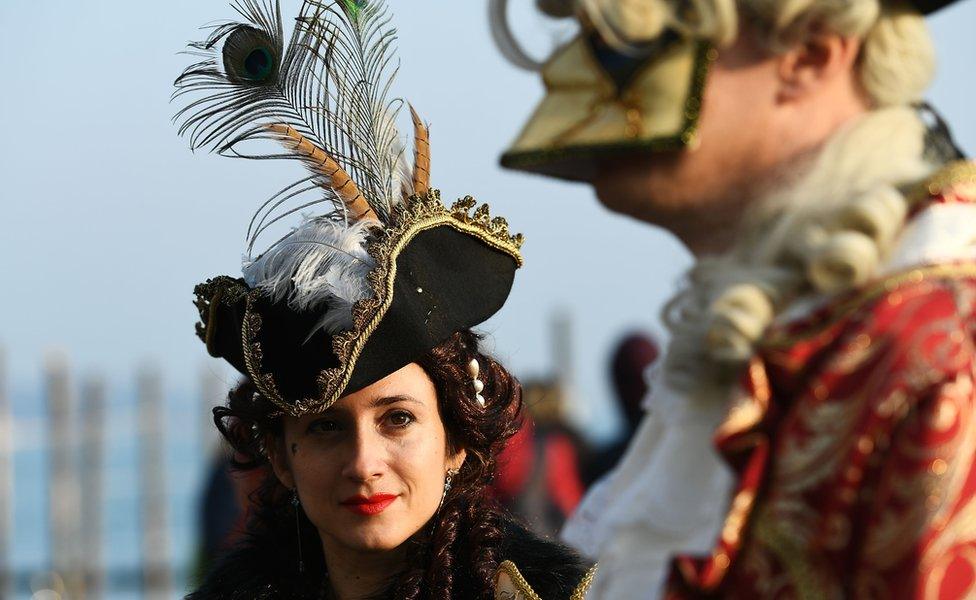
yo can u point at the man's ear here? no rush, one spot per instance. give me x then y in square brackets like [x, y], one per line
[280, 462]
[817, 63]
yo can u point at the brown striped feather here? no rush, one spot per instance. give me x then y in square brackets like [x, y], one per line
[319, 160]
[421, 155]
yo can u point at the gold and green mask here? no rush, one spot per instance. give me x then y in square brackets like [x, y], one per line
[601, 102]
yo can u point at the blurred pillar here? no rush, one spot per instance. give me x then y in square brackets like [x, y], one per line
[63, 494]
[152, 472]
[92, 469]
[562, 347]
[6, 481]
[574, 411]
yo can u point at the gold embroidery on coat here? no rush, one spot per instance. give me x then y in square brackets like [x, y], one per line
[957, 174]
[510, 584]
[936, 273]
[794, 556]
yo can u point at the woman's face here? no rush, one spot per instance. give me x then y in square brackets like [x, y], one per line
[370, 470]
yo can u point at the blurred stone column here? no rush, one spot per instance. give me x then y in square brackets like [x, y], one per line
[573, 410]
[92, 479]
[6, 481]
[156, 578]
[562, 347]
[63, 493]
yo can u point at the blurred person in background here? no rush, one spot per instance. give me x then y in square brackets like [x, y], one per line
[811, 432]
[539, 476]
[220, 517]
[226, 504]
[629, 366]
[368, 402]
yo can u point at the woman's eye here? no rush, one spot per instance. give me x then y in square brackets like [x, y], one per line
[399, 418]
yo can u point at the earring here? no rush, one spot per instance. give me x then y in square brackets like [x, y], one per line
[451, 474]
[473, 370]
[297, 504]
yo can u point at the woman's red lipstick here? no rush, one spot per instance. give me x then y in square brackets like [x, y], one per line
[368, 505]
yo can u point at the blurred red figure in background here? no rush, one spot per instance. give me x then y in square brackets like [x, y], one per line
[539, 475]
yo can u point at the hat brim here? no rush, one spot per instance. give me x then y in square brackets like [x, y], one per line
[439, 273]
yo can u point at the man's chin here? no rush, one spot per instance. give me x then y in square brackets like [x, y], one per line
[638, 190]
[640, 204]
[615, 197]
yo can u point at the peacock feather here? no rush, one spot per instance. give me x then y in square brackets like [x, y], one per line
[325, 95]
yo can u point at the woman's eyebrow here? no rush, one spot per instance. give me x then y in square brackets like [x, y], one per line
[387, 400]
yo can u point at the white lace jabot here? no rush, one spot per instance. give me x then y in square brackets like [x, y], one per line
[668, 495]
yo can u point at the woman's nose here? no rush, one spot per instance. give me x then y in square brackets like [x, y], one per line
[365, 459]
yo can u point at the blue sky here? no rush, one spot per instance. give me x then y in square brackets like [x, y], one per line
[108, 220]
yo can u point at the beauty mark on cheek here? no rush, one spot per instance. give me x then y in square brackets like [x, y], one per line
[294, 449]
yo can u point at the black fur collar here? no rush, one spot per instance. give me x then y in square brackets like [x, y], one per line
[265, 567]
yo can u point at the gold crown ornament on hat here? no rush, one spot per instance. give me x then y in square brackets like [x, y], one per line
[626, 83]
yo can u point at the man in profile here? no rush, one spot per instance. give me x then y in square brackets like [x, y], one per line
[812, 430]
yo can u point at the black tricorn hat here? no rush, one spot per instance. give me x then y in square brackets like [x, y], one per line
[930, 6]
[353, 294]
[437, 271]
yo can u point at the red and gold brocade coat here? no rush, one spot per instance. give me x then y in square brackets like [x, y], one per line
[854, 442]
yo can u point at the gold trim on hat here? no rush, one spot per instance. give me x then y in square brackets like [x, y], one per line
[419, 214]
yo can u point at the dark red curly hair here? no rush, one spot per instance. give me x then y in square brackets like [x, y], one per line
[457, 553]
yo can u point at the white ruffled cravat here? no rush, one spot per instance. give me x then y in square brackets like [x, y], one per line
[668, 495]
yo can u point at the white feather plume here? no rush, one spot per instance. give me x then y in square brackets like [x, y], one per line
[405, 177]
[321, 263]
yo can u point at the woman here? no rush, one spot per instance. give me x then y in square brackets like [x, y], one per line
[367, 397]
[377, 519]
